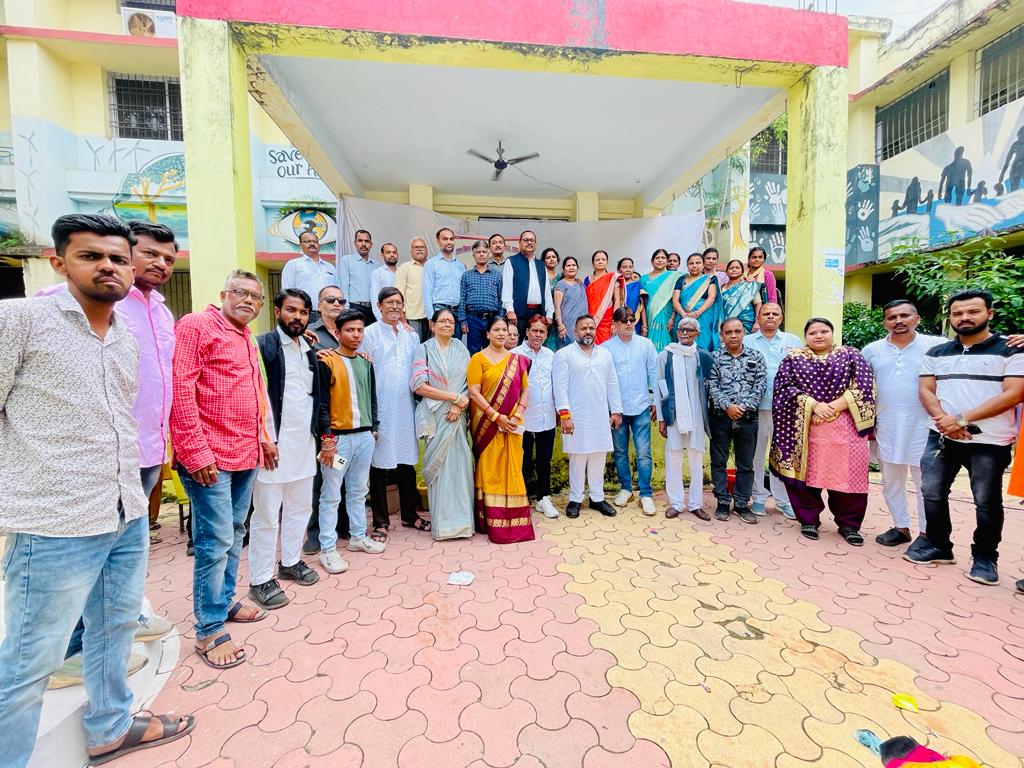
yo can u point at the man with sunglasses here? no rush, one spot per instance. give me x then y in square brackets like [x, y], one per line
[323, 333]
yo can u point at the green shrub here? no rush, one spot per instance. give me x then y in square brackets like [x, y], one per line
[861, 324]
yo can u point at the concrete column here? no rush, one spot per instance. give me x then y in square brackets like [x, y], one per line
[214, 94]
[858, 287]
[962, 91]
[587, 206]
[422, 196]
[816, 217]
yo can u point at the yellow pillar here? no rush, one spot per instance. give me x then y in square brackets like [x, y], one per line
[214, 94]
[816, 216]
[961, 90]
[587, 205]
[422, 196]
[858, 287]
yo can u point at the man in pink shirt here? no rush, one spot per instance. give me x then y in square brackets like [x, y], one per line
[151, 323]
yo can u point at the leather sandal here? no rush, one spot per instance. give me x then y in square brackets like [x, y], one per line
[133, 739]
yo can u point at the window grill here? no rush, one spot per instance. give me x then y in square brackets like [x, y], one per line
[772, 157]
[150, 5]
[178, 294]
[145, 107]
[912, 119]
[1001, 71]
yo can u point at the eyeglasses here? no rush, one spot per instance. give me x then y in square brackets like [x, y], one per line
[244, 294]
[444, 321]
[393, 303]
[688, 330]
[333, 300]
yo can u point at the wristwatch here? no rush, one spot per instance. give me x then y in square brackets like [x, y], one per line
[962, 422]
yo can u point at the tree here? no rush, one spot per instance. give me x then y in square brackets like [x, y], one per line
[978, 263]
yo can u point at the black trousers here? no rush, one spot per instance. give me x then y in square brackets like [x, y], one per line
[741, 434]
[523, 319]
[405, 478]
[422, 327]
[365, 310]
[537, 449]
[313, 529]
[985, 465]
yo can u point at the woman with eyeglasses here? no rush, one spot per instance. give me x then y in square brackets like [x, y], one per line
[682, 411]
[439, 378]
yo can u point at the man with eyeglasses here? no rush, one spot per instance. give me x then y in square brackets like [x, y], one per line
[409, 281]
[524, 285]
[220, 441]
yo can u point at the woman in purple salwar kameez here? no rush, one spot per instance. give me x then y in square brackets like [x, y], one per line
[824, 409]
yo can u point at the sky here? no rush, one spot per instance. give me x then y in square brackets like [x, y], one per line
[904, 14]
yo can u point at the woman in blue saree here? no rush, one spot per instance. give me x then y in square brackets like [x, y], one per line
[696, 295]
[659, 285]
[439, 378]
[740, 298]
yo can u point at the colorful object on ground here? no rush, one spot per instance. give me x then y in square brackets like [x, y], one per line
[905, 701]
[869, 740]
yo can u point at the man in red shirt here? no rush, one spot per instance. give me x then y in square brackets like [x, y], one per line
[219, 437]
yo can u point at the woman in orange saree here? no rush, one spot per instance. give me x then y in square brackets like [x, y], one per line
[605, 291]
[497, 392]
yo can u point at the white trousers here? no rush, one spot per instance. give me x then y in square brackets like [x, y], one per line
[764, 438]
[291, 503]
[586, 468]
[674, 478]
[894, 490]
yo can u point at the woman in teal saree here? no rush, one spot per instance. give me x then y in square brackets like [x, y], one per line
[696, 295]
[659, 286]
[740, 298]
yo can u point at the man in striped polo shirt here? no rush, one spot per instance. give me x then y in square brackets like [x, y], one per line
[349, 397]
[970, 387]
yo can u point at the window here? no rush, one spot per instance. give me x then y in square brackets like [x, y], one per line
[920, 115]
[771, 153]
[145, 107]
[1001, 71]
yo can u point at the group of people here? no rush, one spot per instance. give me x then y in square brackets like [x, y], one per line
[293, 429]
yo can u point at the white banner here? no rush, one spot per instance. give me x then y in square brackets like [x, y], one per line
[636, 238]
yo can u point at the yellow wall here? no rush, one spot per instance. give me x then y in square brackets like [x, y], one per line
[5, 97]
[89, 87]
[40, 85]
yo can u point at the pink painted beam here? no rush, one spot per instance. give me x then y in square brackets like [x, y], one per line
[720, 28]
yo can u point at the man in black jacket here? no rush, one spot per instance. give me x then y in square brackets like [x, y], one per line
[286, 491]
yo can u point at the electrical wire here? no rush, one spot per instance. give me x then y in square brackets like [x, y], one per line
[542, 181]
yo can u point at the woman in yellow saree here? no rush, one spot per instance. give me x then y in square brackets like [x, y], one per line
[497, 392]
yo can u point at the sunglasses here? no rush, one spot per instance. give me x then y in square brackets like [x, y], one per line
[333, 300]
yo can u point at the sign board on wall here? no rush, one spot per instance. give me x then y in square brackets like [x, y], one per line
[144, 22]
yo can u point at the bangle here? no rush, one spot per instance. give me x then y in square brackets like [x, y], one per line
[494, 416]
[327, 438]
[564, 416]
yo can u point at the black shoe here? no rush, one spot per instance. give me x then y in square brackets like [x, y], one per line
[1020, 586]
[923, 552]
[310, 547]
[893, 537]
[572, 509]
[984, 571]
[809, 531]
[746, 515]
[268, 595]
[190, 550]
[300, 572]
[603, 507]
[722, 511]
[852, 536]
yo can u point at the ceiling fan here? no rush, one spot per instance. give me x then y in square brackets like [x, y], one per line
[501, 163]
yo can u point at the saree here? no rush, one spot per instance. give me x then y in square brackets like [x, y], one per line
[738, 302]
[632, 295]
[833, 455]
[502, 508]
[447, 459]
[574, 304]
[659, 306]
[601, 301]
[691, 297]
[767, 285]
[1016, 487]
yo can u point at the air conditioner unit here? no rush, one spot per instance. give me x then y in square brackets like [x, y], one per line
[143, 22]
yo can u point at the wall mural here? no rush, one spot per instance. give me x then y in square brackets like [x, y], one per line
[965, 182]
[772, 239]
[156, 193]
[291, 223]
[768, 199]
[862, 214]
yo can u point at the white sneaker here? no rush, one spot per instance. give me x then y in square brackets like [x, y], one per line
[622, 498]
[647, 505]
[545, 507]
[365, 544]
[332, 561]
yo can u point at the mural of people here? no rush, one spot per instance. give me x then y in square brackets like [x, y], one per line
[1015, 154]
[980, 192]
[912, 198]
[956, 176]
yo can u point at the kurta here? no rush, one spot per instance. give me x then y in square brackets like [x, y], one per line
[592, 397]
[295, 444]
[392, 349]
[901, 426]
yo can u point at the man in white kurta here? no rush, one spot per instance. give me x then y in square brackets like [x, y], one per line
[901, 426]
[391, 345]
[589, 405]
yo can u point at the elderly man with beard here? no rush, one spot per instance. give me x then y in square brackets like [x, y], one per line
[970, 387]
[589, 407]
[384, 275]
[285, 492]
[220, 440]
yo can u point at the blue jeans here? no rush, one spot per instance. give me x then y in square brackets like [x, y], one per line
[150, 476]
[640, 426]
[51, 581]
[218, 524]
[357, 450]
[476, 339]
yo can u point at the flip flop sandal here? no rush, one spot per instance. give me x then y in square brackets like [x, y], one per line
[233, 611]
[380, 535]
[133, 739]
[419, 524]
[210, 646]
[809, 531]
[852, 536]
